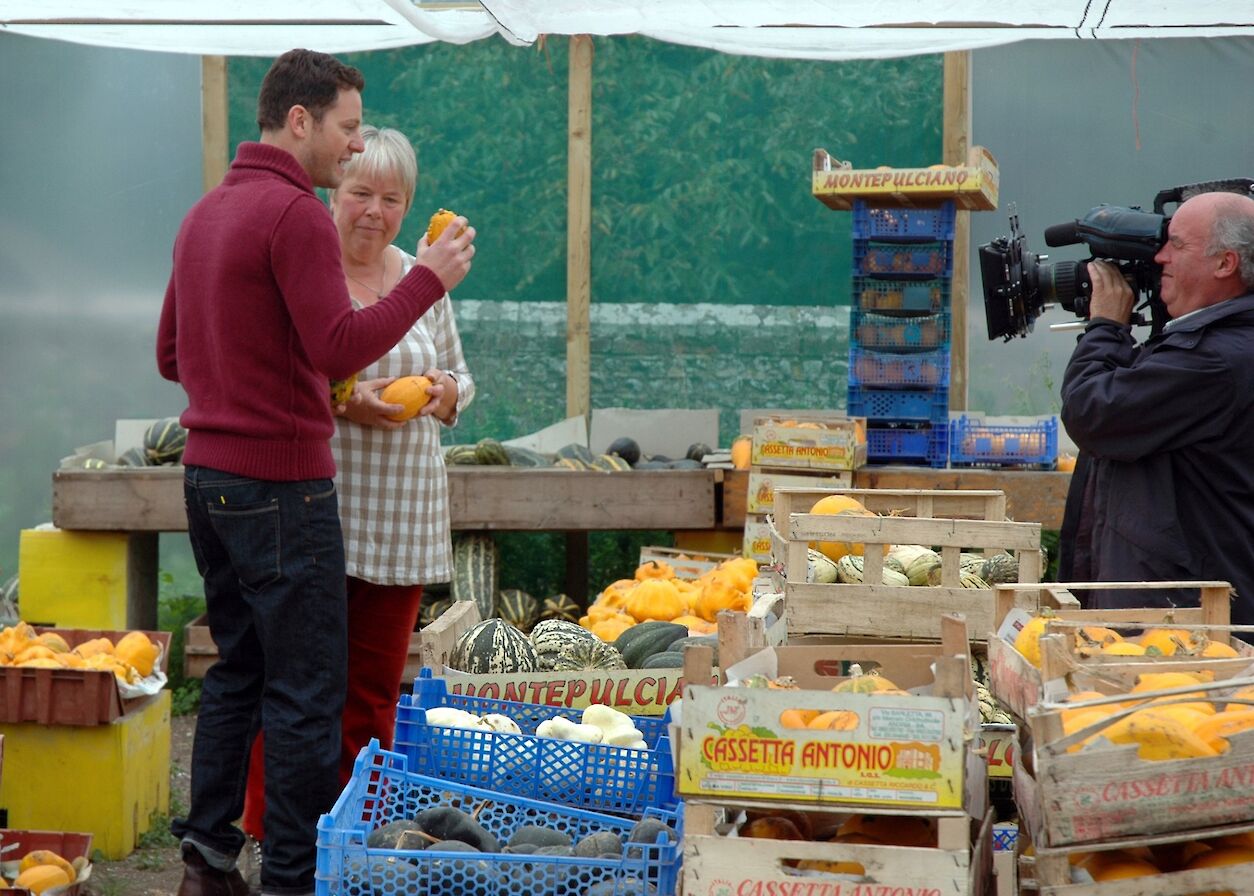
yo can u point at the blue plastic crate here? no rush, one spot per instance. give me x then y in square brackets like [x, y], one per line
[599, 777]
[888, 333]
[871, 222]
[382, 789]
[908, 261]
[922, 405]
[881, 370]
[977, 443]
[916, 444]
[900, 298]
[1005, 837]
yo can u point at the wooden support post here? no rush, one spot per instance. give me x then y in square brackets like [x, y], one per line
[578, 228]
[214, 136]
[577, 567]
[956, 141]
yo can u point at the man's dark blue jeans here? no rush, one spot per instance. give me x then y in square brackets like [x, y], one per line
[272, 558]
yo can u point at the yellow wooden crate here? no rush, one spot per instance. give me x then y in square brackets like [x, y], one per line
[72, 579]
[108, 780]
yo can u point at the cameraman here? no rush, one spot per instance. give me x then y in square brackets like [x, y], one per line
[1169, 425]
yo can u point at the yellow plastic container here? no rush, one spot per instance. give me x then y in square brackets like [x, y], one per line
[108, 780]
[75, 579]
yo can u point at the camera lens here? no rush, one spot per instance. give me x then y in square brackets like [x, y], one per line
[1062, 281]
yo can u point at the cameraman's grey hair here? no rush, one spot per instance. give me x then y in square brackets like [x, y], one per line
[1233, 230]
[388, 154]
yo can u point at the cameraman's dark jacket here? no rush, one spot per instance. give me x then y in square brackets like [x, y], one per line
[1170, 427]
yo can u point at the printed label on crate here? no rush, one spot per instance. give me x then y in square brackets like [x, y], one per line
[999, 750]
[831, 445]
[635, 691]
[897, 750]
[762, 485]
[1100, 794]
[757, 544]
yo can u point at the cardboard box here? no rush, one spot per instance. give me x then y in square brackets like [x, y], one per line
[763, 482]
[970, 186]
[77, 579]
[900, 751]
[757, 543]
[953, 520]
[717, 865]
[639, 692]
[70, 696]
[809, 441]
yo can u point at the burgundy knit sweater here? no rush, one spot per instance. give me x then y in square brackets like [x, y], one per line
[257, 319]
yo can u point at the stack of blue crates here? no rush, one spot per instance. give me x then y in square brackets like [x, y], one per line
[900, 331]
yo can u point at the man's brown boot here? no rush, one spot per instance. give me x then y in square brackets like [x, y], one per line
[202, 879]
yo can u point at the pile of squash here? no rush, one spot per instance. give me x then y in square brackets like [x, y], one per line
[1161, 858]
[654, 593]
[1179, 726]
[914, 831]
[132, 658]
[1096, 640]
[42, 869]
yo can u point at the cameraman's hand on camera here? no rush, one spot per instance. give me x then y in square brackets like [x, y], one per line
[1113, 299]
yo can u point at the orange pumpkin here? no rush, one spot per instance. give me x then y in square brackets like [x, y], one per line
[741, 451]
[835, 505]
[655, 599]
[654, 569]
[408, 391]
[720, 593]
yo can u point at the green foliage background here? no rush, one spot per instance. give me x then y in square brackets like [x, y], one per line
[701, 161]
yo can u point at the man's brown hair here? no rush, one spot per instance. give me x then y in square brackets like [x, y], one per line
[303, 78]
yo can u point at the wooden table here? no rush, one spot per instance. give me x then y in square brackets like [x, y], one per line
[145, 502]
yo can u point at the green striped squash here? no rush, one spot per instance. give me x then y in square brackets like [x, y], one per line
[459, 455]
[475, 571]
[490, 452]
[552, 637]
[493, 646]
[519, 608]
[560, 606]
[594, 654]
[164, 441]
[430, 611]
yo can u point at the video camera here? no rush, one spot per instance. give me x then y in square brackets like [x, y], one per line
[1019, 284]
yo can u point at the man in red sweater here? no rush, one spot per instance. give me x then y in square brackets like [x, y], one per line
[256, 320]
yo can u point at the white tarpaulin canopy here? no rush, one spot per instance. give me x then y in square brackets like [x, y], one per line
[804, 29]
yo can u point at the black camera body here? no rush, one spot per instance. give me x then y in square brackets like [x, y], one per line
[1020, 284]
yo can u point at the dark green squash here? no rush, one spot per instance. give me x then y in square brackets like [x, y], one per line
[475, 575]
[560, 606]
[647, 638]
[164, 441]
[552, 637]
[493, 646]
[667, 659]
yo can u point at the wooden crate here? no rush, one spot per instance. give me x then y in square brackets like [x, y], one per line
[1019, 685]
[911, 752]
[717, 865]
[70, 696]
[970, 186]
[639, 692]
[687, 564]
[1048, 872]
[1106, 792]
[953, 520]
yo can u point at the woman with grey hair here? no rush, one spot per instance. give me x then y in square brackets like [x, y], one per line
[391, 479]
